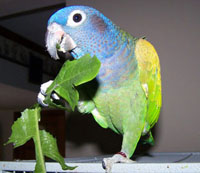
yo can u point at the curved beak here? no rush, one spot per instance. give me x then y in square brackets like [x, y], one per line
[58, 40]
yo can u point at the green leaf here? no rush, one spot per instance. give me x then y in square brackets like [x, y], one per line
[73, 73]
[50, 149]
[24, 128]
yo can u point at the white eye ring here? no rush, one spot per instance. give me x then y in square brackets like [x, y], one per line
[81, 16]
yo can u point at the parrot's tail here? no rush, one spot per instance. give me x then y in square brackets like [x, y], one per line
[148, 139]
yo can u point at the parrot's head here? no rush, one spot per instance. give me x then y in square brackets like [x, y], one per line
[81, 30]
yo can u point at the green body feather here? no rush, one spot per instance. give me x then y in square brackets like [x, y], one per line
[132, 107]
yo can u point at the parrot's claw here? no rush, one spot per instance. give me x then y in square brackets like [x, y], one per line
[40, 99]
[82, 107]
[85, 106]
[42, 94]
[107, 163]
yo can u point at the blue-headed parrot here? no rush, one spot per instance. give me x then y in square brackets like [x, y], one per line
[128, 98]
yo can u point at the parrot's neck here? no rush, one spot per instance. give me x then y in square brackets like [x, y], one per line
[121, 67]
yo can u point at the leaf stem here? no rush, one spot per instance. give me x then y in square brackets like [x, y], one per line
[40, 164]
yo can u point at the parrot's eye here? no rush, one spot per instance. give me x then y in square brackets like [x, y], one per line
[76, 18]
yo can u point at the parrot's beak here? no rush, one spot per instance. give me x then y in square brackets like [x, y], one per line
[58, 40]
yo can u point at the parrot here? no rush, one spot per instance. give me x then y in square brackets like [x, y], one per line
[128, 98]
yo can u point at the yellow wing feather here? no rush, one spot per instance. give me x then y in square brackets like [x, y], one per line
[149, 69]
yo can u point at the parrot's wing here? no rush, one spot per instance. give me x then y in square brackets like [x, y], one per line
[150, 78]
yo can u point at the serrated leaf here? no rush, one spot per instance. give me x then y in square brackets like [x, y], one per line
[24, 128]
[73, 73]
[50, 149]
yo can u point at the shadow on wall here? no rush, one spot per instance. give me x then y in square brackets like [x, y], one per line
[83, 129]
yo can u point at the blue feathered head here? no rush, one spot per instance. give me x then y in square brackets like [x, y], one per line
[81, 30]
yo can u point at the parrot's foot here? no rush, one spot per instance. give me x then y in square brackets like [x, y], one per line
[42, 94]
[120, 157]
[86, 106]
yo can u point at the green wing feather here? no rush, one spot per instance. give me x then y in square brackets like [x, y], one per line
[150, 78]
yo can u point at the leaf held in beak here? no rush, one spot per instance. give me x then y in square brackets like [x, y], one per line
[58, 40]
